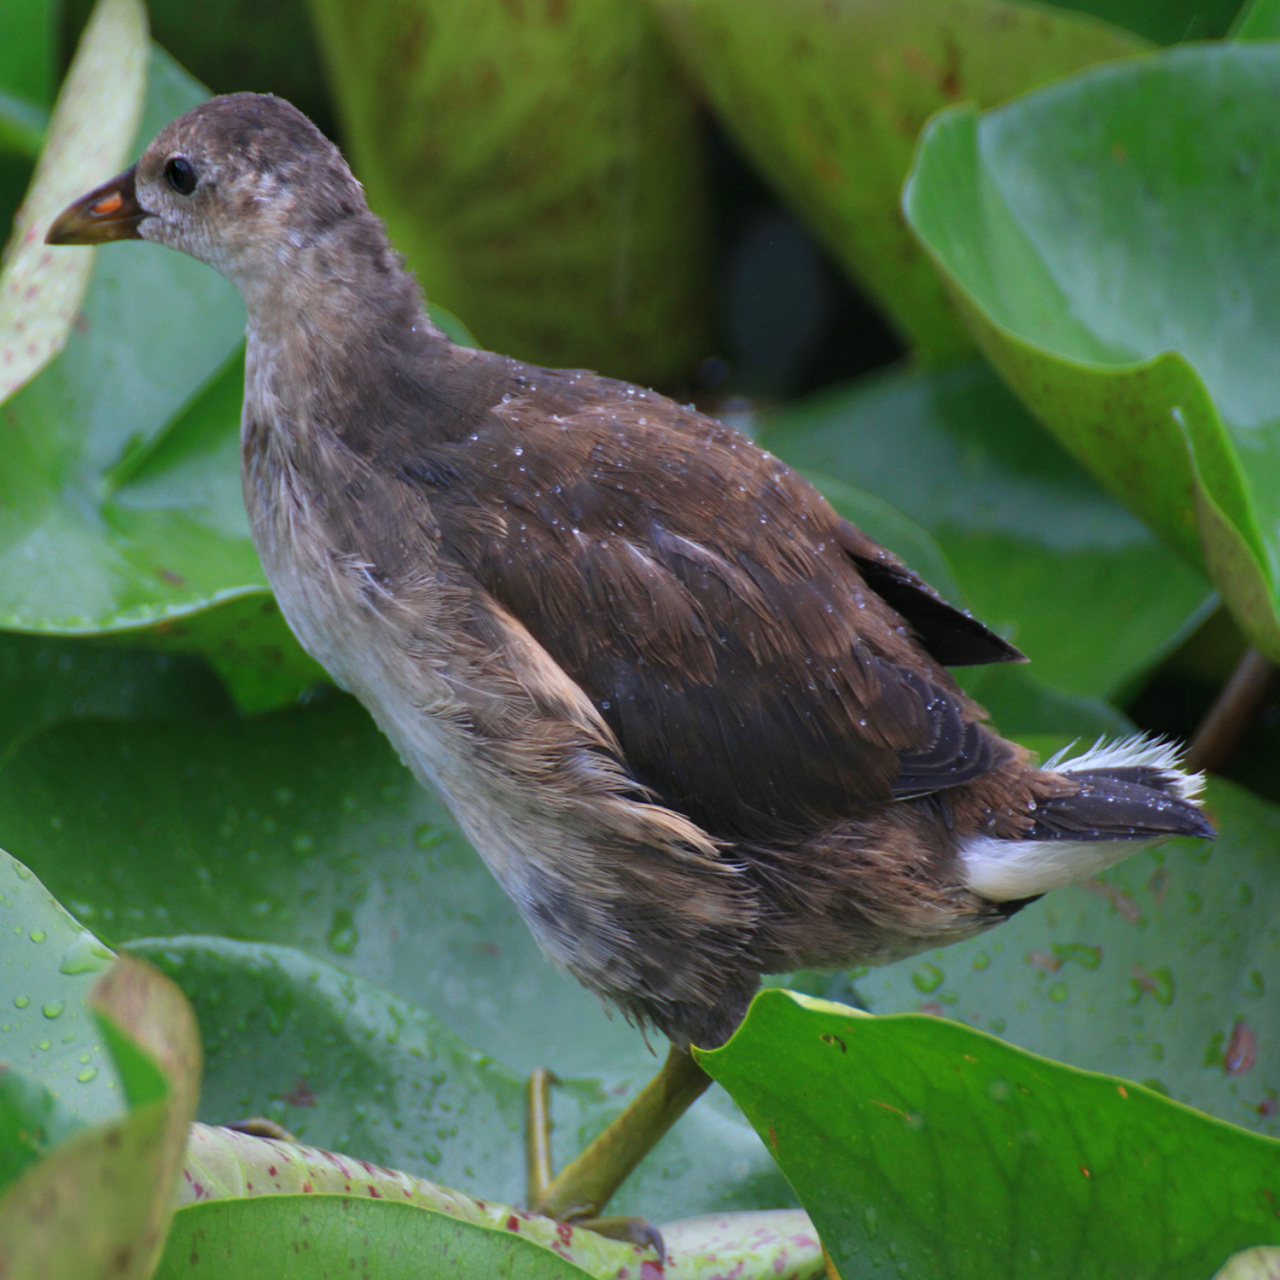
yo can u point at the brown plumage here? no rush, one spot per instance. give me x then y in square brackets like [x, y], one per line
[697, 724]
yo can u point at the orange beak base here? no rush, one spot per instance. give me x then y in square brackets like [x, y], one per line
[109, 212]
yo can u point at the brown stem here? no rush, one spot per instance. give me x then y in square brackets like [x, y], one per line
[1233, 711]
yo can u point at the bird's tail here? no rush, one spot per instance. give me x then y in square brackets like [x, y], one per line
[1131, 793]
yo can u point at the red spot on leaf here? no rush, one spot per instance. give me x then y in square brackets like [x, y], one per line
[1242, 1050]
[300, 1095]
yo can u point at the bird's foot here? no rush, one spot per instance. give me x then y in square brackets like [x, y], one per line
[627, 1229]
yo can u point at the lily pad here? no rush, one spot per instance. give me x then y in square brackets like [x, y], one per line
[829, 96]
[1111, 240]
[915, 1142]
[539, 166]
[1043, 554]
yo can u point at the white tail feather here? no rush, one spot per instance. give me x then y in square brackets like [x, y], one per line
[1137, 751]
[1006, 870]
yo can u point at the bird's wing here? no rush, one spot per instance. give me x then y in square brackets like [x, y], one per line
[736, 634]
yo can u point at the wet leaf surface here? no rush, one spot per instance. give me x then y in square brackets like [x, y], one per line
[301, 829]
[916, 1143]
[59, 1075]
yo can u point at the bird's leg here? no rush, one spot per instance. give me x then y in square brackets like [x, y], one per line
[585, 1186]
[537, 1135]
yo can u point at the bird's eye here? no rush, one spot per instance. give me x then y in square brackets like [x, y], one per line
[181, 175]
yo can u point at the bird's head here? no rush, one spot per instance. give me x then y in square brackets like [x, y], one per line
[243, 182]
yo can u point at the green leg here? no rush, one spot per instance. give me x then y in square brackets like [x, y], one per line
[586, 1185]
[537, 1135]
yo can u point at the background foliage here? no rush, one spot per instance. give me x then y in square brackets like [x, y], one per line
[1042, 375]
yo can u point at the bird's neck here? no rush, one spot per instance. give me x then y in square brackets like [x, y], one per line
[334, 324]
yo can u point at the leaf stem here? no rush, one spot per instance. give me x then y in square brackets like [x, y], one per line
[1228, 720]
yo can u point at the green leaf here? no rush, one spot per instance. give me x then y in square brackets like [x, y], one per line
[921, 1147]
[1110, 240]
[1161, 971]
[223, 1165]
[301, 828]
[96, 114]
[99, 1201]
[828, 99]
[290, 1236]
[539, 166]
[47, 680]
[1043, 555]
[344, 1065]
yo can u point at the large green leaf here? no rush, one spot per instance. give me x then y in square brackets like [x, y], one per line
[539, 166]
[923, 1148]
[1042, 553]
[828, 97]
[1257, 20]
[301, 828]
[1111, 240]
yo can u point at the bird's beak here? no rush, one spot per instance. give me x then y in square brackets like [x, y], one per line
[108, 212]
